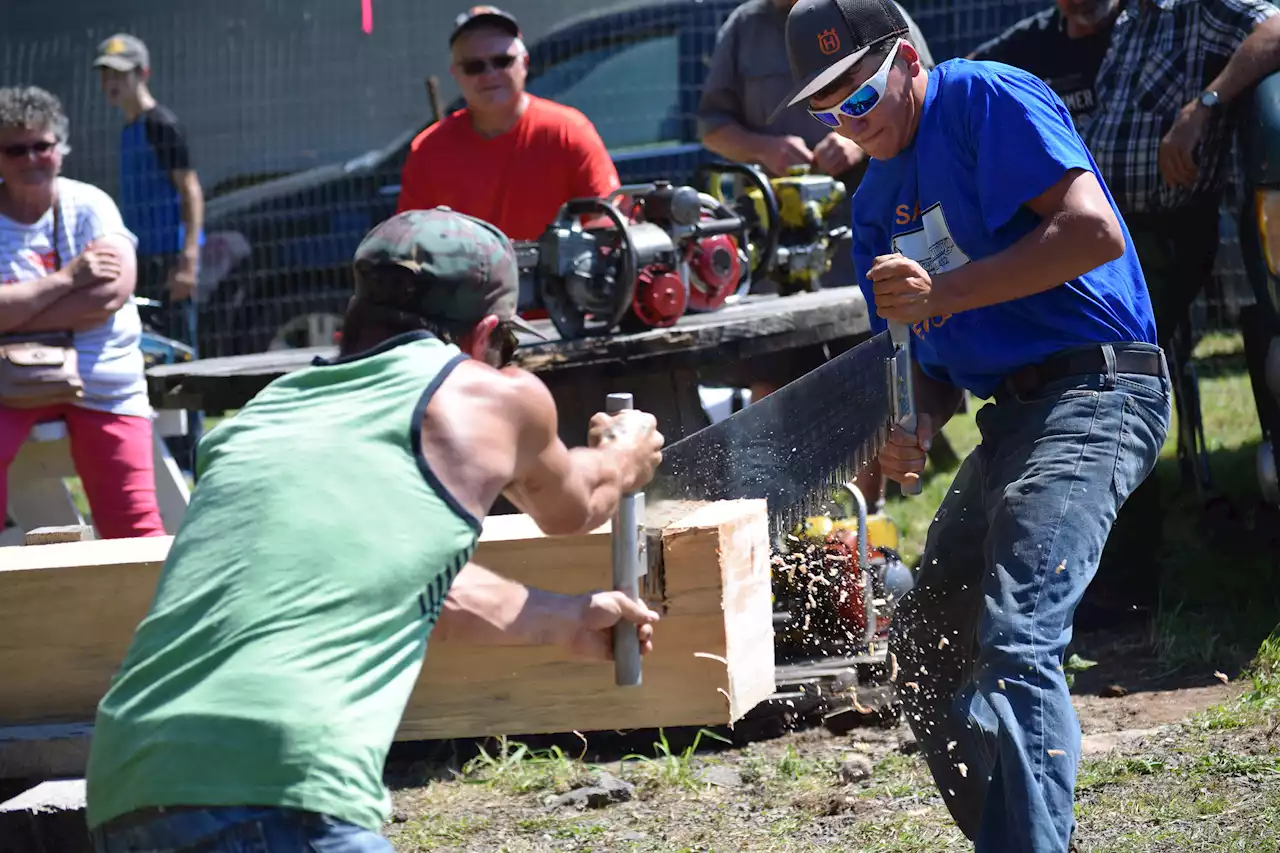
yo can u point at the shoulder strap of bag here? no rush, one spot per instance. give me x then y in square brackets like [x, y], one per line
[57, 223]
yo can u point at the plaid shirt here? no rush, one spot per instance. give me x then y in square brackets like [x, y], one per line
[1163, 55]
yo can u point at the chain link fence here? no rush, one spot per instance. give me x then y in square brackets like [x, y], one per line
[299, 119]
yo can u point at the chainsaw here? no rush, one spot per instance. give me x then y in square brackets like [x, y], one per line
[639, 259]
[788, 219]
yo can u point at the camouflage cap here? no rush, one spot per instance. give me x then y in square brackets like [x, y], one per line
[464, 268]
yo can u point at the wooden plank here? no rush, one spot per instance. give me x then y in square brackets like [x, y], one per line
[713, 657]
[760, 325]
[54, 535]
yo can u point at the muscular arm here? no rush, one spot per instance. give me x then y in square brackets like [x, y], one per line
[87, 307]
[488, 432]
[485, 608]
[565, 491]
[1078, 232]
[24, 300]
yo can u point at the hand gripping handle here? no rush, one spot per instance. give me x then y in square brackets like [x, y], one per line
[626, 538]
[906, 393]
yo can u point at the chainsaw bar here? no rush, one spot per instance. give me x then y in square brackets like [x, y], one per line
[794, 447]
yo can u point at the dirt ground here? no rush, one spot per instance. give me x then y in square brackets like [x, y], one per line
[865, 790]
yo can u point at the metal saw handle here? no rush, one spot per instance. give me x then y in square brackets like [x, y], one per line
[905, 391]
[626, 541]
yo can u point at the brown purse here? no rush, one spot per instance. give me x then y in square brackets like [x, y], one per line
[40, 368]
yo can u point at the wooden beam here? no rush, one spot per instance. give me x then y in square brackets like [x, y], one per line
[70, 609]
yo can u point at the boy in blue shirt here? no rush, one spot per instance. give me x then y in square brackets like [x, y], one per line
[982, 225]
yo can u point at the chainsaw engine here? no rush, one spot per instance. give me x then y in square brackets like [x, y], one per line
[788, 220]
[640, 259]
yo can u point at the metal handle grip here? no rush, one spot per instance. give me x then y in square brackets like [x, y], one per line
[901, 336]
[626, 571]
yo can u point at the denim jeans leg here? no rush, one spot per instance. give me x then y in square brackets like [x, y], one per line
[931, 641]
[240, 829]
[1060, 467]
[980, 640]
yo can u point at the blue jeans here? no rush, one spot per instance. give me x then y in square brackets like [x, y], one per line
[979, 642]
[236, 829]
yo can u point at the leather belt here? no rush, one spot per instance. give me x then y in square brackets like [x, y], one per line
[1029, 379]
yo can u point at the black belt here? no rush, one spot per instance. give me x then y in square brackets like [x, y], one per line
[1029, 379]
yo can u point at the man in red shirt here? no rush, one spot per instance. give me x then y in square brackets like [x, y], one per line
[508, 157]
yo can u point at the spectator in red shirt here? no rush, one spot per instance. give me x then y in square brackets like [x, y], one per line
[508, 157]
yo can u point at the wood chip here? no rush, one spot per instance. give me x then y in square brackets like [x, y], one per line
[1057, 752]
[964, 771]
[943, 642]
[1000, 683]
[893, 667]
[710, 656]
[912, 685]
[1221, 676]
[1062, 567]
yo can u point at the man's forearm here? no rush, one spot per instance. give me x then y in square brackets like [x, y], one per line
[1062, 247]
[939, 400]
[484, 608]
[734, 142]
[22, 301]
[1257, 56]
[192, 215]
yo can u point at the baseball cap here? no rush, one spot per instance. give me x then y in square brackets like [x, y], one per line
[477, 15]
[123, 52]
[825, 38]
[464, 268]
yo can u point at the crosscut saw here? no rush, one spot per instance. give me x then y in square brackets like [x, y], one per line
[795, 448]
[799, 445]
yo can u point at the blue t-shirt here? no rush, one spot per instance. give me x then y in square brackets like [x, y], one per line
[152, 147]
[991, 138]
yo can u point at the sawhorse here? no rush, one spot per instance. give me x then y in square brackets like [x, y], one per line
[38, 493]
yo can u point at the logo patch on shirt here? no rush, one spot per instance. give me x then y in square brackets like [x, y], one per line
[933, 248]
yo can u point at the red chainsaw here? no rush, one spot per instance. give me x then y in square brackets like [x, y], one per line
[640, 259]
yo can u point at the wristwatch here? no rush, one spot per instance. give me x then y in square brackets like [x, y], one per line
[1209, 100]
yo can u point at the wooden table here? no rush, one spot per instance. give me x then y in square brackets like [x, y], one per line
[661, 367]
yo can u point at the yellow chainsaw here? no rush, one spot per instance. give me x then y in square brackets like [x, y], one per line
[792, 239]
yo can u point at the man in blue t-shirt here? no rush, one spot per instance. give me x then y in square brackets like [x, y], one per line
[982, 224]
[161, 202]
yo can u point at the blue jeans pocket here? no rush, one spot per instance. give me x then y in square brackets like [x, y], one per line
[1144, 426]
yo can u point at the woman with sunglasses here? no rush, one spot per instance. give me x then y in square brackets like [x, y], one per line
[67, 266]
[987, 239]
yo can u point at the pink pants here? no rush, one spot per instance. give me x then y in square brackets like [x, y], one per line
[112, 455]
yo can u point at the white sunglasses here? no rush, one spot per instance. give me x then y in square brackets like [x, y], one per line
[864, 98]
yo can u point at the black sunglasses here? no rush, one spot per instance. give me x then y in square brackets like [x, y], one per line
[476, 67]
[20, 150]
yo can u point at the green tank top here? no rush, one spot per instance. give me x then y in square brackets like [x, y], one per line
[291, 617]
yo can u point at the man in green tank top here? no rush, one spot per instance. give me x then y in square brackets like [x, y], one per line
[329, 536]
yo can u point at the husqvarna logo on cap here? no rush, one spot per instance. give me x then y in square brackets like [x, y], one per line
[828, 41]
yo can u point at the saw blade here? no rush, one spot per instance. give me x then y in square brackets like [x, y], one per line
[795, 447]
